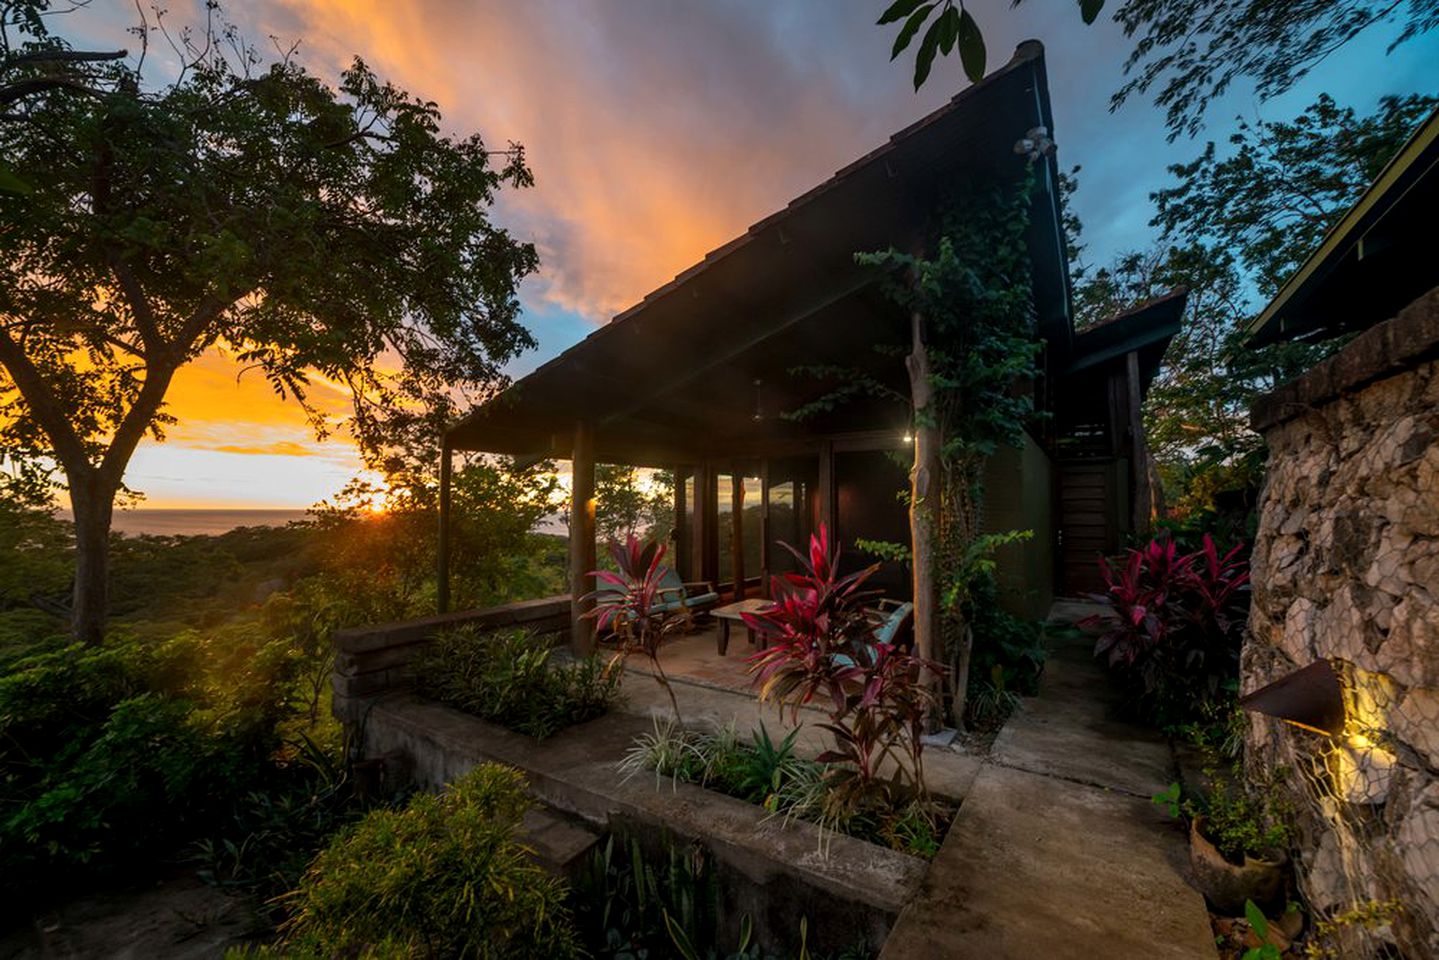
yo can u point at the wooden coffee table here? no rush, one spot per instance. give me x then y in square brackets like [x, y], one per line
[734, 613]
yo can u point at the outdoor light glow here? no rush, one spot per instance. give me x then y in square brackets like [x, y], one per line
[908, 438]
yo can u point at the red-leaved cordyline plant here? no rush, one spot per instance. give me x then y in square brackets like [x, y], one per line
[1176, 622]
[821, 645]
[629, 606]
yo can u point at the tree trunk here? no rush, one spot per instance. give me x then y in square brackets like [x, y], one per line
[93, 503]
[924, 491]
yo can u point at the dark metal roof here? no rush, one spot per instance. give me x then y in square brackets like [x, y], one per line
[703, 364]
[1378, 258]
[1146, 328]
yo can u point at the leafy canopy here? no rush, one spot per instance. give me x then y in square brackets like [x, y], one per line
[1234, 226]
[1189, 52]
[306, 229]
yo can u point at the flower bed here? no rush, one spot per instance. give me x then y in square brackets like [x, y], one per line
[772, 775]
[507, 676]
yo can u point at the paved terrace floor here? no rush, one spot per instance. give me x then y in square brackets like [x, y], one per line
[1057, 850]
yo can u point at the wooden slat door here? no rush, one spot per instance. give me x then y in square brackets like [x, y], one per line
[1088, 500]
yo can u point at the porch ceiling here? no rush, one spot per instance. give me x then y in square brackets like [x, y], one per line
[673, 379]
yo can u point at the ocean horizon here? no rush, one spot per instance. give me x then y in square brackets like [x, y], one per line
[158, 521]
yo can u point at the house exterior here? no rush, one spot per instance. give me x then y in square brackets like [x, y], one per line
[1346, 561]
[695, 376]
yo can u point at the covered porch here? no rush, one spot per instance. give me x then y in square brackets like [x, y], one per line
[707, 375]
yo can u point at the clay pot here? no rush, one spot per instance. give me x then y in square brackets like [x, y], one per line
[1227, 885]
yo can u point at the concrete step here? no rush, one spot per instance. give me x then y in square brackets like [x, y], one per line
[559, 842]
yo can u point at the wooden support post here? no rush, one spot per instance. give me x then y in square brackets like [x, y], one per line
[681, 540]
[924, 494]
[736, 531]
[707, 516]
[765, 544]
[826, 487]
[1140, 501]
[582, 538]
[442, 550]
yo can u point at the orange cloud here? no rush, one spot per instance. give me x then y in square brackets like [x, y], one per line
[279, 448]
[653, 139]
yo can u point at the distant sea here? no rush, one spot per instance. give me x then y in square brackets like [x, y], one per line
[187, 523]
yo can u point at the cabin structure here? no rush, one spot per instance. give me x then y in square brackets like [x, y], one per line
[697, 377]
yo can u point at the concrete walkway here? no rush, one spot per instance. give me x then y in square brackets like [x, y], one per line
[1057, 850]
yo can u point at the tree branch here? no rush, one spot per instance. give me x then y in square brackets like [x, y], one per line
[61, 56]
[139, 304]
[43, 405]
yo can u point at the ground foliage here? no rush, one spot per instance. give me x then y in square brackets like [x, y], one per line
[446, 876]
[511, 677]
[772, 774]
[113, 756]
[630, 902]
[200, 727]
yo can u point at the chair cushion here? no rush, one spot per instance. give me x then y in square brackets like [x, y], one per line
[700, 599]
[887, 631]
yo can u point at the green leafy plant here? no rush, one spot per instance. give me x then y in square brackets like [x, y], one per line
[1007, 659]
[634, 606]
[113, 756]
[1259, 923]
[1168, 799]
[275, 829]
[510, 677]
[631, 902]
[447, 876]
[669, 750]
[1241, 820]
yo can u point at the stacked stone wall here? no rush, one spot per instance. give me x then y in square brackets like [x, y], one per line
[1346, 568]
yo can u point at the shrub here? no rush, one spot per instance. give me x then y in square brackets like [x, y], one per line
[634, 606]
[1007, 657]
[274, 830]
[821, 644]
[509, 677]
[1177, 623]
[1240, 819]
[445, 877]
[118, 753]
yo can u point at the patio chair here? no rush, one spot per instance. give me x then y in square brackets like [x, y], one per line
[674, 595]
[681, 598]
[891, 617]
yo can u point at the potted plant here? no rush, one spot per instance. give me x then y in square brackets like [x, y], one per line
[1237, 841]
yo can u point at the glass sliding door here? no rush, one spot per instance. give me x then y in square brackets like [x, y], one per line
[792, 504]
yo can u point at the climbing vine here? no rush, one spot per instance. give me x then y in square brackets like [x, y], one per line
[971, 302]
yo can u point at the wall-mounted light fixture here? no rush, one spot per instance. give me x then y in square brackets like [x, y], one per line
[1342, 705]
[1311, 697]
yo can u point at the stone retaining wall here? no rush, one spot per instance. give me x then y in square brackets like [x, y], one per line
[373, 661]
[1346, 567]
[773, 871]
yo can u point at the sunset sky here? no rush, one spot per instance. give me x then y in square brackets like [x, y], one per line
[657, 130]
